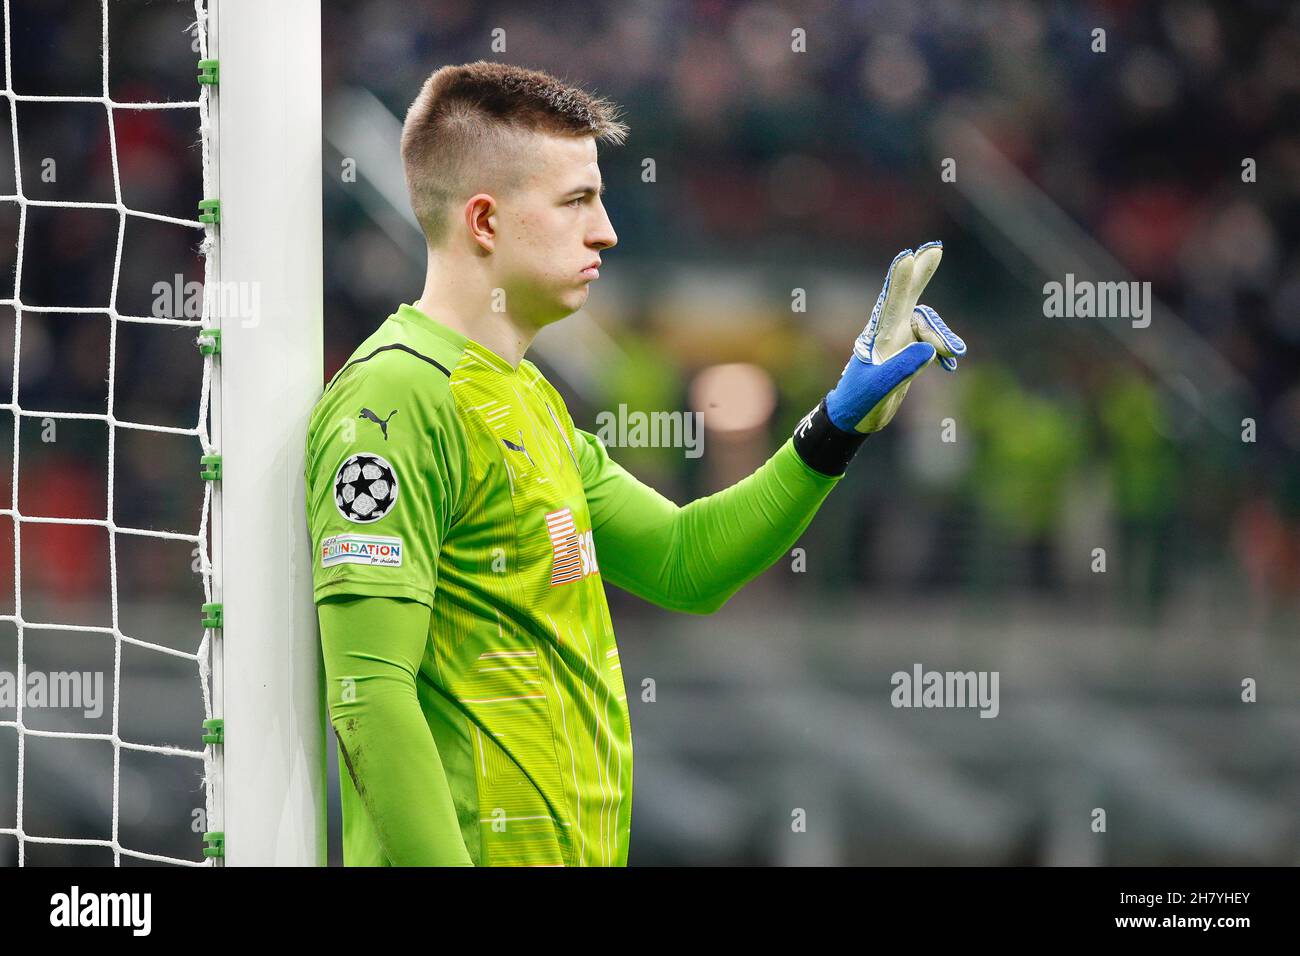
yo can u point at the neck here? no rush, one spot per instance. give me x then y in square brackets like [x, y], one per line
[459, 295]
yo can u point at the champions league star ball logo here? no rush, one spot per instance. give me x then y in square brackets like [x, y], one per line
[365, 488]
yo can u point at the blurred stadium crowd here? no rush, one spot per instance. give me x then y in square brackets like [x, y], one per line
[772, 172]
[805, 168]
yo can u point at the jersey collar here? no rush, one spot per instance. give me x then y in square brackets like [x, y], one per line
[413, 316]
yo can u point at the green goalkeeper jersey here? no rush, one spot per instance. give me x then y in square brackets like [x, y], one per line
[438, 473]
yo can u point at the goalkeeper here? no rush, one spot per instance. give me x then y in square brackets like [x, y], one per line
[464, 528]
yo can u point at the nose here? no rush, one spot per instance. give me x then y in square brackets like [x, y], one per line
[604, 236]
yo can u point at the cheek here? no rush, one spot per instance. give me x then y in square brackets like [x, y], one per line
[536, 239]
[543, 240]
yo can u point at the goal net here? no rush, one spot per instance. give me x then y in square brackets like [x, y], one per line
[160, 340]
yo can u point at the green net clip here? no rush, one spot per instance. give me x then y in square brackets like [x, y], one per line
[211, 467]
[210, 341]
[210, 72]
[210, 211]
[216, 843]
[216, 731]
[213, 615]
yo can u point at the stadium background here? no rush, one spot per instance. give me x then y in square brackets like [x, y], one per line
[777, 171]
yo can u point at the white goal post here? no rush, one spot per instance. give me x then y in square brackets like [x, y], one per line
[63, 781]
[265, 120]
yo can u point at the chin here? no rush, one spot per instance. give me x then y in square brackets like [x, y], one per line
[563, 309]
[570, 304]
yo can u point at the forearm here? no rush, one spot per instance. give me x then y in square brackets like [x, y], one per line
[371, 659]
[695, 557]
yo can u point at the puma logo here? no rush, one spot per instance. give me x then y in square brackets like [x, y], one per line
[519, 448]
[381, 422]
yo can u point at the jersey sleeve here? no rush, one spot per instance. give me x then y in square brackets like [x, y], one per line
[695, 557]
[385, 470]
[372, 649]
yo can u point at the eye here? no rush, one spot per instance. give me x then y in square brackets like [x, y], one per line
[575, 202]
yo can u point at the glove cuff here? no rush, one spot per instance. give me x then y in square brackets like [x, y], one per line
[823, 445]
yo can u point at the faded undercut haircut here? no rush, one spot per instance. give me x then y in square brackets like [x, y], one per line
[468, 129]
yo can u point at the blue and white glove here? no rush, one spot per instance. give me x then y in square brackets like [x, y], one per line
[900, 339]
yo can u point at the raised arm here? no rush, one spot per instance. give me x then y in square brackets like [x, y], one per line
[694, 558]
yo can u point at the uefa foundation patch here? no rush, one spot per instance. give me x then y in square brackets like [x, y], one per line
[361, 549]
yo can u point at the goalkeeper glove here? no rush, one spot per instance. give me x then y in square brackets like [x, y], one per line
[899, 340]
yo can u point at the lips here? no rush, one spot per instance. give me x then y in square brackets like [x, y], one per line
[592, 271]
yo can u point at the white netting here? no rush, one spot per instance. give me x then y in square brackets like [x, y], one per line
[201, 655]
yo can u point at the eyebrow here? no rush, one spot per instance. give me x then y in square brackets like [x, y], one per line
[585, 190]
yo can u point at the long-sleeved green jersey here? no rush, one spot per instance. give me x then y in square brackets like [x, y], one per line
[443, 477]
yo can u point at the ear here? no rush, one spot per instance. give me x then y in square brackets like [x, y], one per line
[481, 219]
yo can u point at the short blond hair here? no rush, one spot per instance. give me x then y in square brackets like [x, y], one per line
[462, 132]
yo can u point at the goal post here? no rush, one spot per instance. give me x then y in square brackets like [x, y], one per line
[265, 291]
